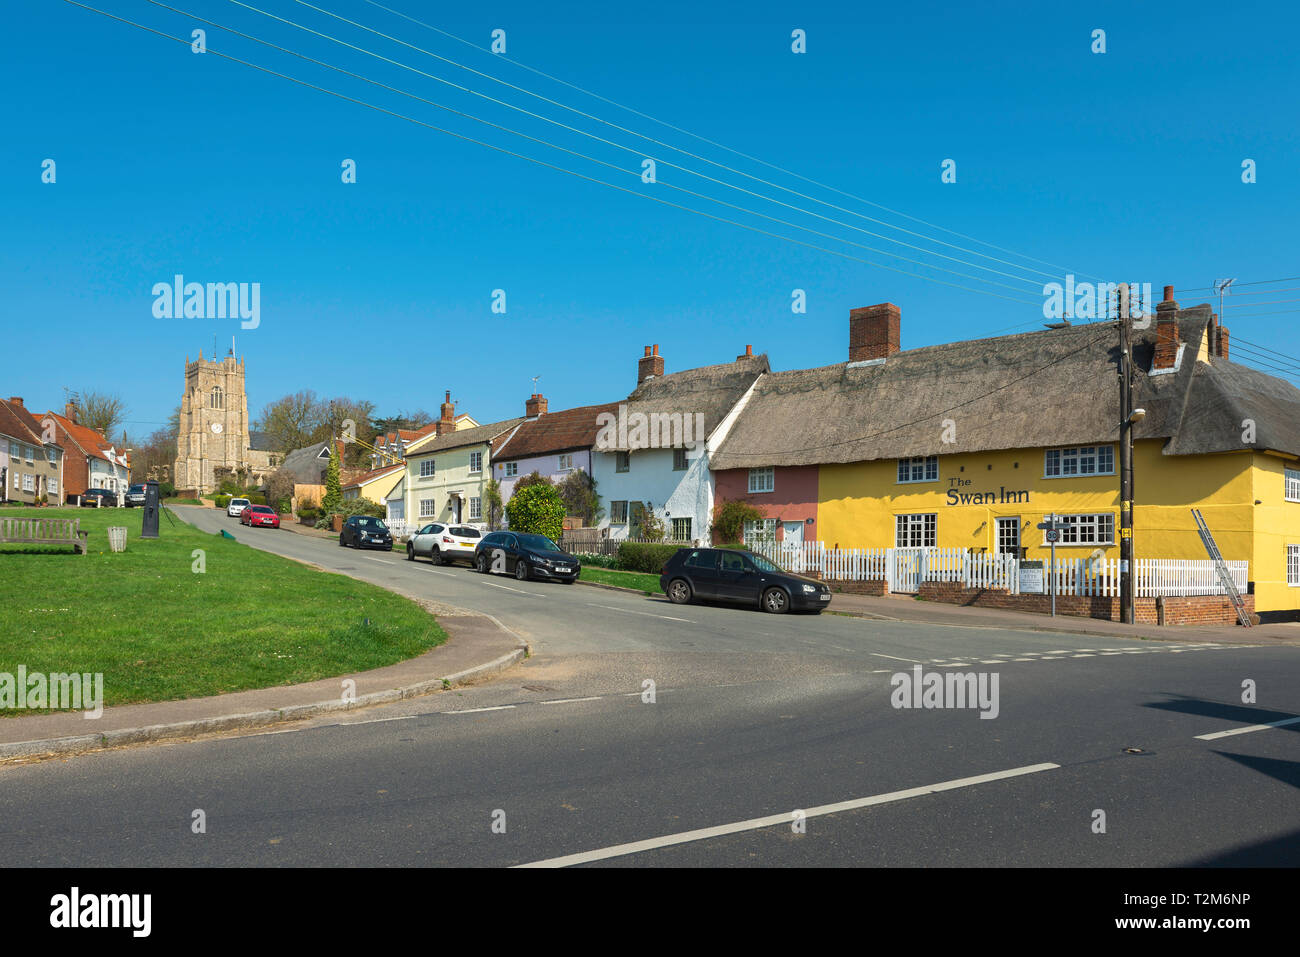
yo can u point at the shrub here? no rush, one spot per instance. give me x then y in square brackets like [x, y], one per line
[537, 509]
[578, 491]
[308, 513]
[350, 506]
[729, 519]
[596, 561]
[646, 557]
[221, 501]
[254, 498]
[166, 490]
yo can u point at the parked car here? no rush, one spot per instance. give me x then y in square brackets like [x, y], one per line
[525, 556]
[363, 531]
[260, 515]
[732, 575]
[235, 506]
[135, 496]
[98, 497]
[443, 544]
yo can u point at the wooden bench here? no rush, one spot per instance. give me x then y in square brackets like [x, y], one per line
[44, 531]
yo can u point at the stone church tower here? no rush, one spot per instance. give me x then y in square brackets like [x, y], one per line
[214, 440]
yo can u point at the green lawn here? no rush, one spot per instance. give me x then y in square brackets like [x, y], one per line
[159, 630]
[635, 580]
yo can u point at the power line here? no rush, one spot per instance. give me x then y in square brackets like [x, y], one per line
[627, 149]
[678, 149]
[1257, 282]
[1252, 305]
[547, 165]
[1283, 355]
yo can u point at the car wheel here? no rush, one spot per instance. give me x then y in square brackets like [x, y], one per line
[436, 556]
[482, 564]
[679, 592]
[342, 544]
[775, 601]
[521, 570]
[410, 552]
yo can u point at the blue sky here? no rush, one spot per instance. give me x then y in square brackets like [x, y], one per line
[1125, 165]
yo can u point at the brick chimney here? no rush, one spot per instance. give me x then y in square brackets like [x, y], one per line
[649, 365]
[874, 332]
[535, 406]
[70, 412]
[447, 423]
[1167, 340]
[16, 400]
[1221, 343]
[749, 354]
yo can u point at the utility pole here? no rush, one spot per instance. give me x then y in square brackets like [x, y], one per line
[1125, 459]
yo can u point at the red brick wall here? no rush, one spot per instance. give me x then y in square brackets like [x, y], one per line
[875, 588]
[1193, 610]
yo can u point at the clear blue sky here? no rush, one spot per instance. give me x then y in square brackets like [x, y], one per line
[1125, 165]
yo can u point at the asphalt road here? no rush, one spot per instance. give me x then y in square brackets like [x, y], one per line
[755, 717]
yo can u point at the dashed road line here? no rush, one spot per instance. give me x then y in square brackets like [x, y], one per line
[628, 611]
[500, 707]
[570, 700]
[915, 661]
[754, 824]
[1246, 730]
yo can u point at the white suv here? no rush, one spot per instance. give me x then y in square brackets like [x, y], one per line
[444, 543]
[236, 506]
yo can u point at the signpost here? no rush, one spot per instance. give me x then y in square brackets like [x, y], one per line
[1051, 526]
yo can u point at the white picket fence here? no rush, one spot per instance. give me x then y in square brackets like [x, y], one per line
[905, 568]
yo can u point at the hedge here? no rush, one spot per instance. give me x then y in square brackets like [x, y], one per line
[643, 557]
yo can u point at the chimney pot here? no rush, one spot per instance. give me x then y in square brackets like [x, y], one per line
[1169, 293]
[535, 406]
[874, 332]
[649, 365]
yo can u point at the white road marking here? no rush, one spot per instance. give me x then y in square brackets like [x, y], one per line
[1247, 730]
[991, 661]
[570, 700]
[958, 664]
[628, 611]
[1024, 659]
[1111, 652]
[754, 824]
[500, 707]
[403, 717]
[372, 558]
[516, 590]
[1082, 656]
[915, 661]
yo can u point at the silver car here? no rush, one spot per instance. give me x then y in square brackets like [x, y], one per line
[443, 544]
[236, 506]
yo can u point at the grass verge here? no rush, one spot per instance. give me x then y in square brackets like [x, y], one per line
[191, 614]
[638, 581]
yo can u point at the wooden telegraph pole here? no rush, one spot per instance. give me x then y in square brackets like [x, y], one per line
[1125, 459]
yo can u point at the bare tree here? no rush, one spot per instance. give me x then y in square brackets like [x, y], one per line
[100, 411]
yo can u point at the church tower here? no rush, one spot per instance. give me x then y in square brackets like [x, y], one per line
[213, 439]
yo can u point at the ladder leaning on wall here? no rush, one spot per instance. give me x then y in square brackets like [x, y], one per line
[1225, 576]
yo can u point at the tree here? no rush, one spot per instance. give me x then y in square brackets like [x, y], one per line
[279, 489]
[333, 497]
[533, 478]
[492, 507]
[293, 421]
[652, 527]
[100, 411]
[538, 509]
[578, 492]
[729, 520]
[345, 418]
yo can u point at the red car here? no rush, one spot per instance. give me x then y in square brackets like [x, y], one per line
[259, 515]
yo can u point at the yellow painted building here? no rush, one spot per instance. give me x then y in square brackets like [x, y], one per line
[972, 444]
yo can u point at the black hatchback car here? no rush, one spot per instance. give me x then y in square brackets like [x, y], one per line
[98, 497]
[525, 556]
[363, 531]
[724, 574]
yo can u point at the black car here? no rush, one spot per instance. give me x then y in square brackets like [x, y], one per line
[135, 496]
[724, 574]
[363, 531]
[525, 556]
[97, 497]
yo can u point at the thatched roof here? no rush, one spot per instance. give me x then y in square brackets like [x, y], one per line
[306, 463]
[1037, 389]
[710, 390]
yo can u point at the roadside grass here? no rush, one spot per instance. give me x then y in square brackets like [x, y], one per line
[159, 629]
[637, 581]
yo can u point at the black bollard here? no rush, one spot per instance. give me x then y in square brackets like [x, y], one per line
[149, 524]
